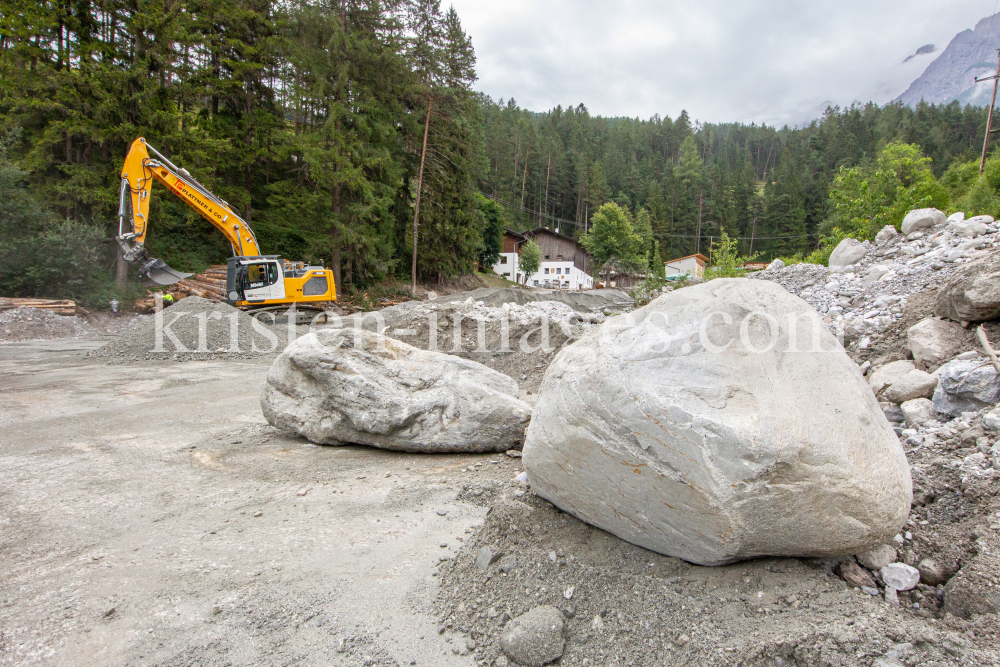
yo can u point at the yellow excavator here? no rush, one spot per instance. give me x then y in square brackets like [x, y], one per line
[253, 280]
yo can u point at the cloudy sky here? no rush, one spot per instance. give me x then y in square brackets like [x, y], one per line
[722, 60]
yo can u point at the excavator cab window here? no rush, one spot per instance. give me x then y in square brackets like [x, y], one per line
[260, 275]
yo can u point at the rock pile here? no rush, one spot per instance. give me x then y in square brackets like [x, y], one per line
[354, 386]
[718, 446]
[21, 324]
[193, 329]
[861, 300]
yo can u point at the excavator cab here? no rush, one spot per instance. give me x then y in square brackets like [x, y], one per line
[255, 280]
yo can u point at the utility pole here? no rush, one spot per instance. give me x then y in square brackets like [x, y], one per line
[701, 201]
[989, 117]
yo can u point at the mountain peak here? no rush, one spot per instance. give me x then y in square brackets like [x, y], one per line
[952, 75]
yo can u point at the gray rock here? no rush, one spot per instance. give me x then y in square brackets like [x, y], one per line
[878, 557]
[887, 234]
[933, 341]
[981, 220]
[338, 386]
[891, 372]
[900, 576]
[972, 294]
[508, 563]
[966, 385]
[969, 229]
[682, 442]
[848, 252]
[487, 557]
[922, 218]
[775, 265]
[915, 384]
[917, 411]
[893, 413]
[966, 594]
[991, 419]
[931, 573]
[535, 638]
[956, 217]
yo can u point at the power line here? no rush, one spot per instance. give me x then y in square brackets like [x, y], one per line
[673, 236]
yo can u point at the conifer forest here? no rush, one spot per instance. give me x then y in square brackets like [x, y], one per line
[338, 127]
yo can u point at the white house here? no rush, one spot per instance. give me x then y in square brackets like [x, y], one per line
[563, 259]
[561, 275]
[693, 266]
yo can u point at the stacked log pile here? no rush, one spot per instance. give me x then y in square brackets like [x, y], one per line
[209, 284]
[57, 306]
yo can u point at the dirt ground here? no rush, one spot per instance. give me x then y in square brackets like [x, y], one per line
[150, 516]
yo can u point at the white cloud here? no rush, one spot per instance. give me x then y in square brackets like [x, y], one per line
[722, 60]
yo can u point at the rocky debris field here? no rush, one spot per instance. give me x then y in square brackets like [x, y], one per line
[928, 595]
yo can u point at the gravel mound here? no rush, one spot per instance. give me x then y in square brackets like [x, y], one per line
[194, 329]
[584, 301]
[20, 324]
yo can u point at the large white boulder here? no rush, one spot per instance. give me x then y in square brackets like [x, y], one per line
[704, 426]
[340, 386]
[848, 252]
[922, 218]
[933, 341]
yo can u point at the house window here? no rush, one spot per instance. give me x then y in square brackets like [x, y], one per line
[546, 257]
[545, 270]
[535, 283]
[559, 258]
[503, 259]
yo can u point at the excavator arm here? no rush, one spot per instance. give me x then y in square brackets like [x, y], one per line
[138, 173]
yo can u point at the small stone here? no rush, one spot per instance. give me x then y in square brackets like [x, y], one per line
[900, 576]
[915, 384]
[568, 593]
[682, 640]
[487, 557]
[513, 453]
[854, 575]
[216, 609]
[258, 513]
[878, 557]
[552, 556]
[302, 492]
[931, 573]
[442, 512]
[443, 545]
[870, 590]
[508, 563]
[917, 411]
[535, 638]
[470, 644]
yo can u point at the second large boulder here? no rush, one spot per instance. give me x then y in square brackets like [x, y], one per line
[340, 386]
[720, 422]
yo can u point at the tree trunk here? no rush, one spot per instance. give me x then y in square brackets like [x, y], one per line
[524, 179]
[420, 187]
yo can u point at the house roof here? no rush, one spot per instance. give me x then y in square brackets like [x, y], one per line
[698, 256]
[517, 236]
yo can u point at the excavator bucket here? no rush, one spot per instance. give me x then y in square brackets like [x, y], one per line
[156, 273]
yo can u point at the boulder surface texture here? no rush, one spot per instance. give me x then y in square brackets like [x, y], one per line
[972, 294]
[966, 385]
[339, 386]
[933, 341]
[681, 428]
